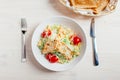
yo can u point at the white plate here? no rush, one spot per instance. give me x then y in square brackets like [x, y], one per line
[36, 36]
[109, 8]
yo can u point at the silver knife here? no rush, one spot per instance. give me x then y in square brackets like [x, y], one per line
[92, 34]
[23, 34]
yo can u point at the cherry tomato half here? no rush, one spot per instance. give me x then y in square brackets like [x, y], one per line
[43, 35]
[48, 56]
[51, 57]
[49, 33]
[76, 40]
[46, 33]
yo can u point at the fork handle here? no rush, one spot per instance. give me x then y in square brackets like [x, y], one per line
[23, 56]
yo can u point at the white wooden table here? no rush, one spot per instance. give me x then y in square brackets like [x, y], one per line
[36, 11]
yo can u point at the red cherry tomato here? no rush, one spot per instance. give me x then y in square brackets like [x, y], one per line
[48, 56]
[46, 33]
[49, 33]
[76, 40]
[51, 57]
[43, 35]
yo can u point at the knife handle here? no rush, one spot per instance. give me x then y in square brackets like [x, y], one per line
[95, 55]
[23, 56]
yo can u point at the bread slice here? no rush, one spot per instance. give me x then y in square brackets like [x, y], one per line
[101, 4]
[95, 5]
[84, 3]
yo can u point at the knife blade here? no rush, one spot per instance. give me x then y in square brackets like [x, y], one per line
[92, 34]
[23, 35]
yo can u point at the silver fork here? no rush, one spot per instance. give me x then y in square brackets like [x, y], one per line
[23, 34]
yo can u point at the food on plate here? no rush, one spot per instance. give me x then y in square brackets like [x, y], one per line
[95, 5]
[59, 44]
[84, 3]
[101, 4]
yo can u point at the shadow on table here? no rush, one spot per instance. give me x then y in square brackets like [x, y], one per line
[65, 11]
[30, 57]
